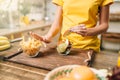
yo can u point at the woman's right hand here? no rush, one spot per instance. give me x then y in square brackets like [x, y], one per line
[41, 38]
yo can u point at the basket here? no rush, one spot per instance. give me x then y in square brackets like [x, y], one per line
[66, 70]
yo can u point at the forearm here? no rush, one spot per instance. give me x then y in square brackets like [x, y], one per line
[56, 26]
[103, 22]
[97, 30]
[101, 28]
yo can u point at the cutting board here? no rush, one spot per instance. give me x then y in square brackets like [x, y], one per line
[12, 51]
[49, 58]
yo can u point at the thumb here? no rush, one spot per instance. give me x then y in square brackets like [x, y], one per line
[45, 39]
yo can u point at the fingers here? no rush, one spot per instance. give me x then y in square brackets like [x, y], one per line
[46, 40]
[81, 29]
[78, 28]
[36, 36]
[41, 38]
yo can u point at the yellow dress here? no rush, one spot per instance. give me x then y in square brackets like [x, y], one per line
[76, 12]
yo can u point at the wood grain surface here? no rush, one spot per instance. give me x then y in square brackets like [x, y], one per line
[11, 51]
[50, 59]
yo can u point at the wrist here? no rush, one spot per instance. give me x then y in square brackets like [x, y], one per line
[48, 37]
[91, 32]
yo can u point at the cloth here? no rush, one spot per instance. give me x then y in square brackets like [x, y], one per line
[76, 12]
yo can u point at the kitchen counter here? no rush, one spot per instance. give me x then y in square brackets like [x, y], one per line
[14, 71]
[23, 28]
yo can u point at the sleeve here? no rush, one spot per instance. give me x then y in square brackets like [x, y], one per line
[58, 2]
[106, 2]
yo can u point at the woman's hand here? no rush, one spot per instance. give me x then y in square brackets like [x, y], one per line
[83, 31]
[90, 32]
[41, 38]
[80, 29]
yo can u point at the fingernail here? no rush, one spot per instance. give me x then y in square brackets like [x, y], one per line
[83, 27]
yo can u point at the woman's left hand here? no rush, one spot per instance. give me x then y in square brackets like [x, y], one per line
[83, 31]
[90, 32]
[80, 29]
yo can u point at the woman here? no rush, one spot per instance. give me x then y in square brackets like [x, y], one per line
[80, 18]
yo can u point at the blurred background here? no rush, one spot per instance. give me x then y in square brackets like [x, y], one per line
[17, 14]
[13, 12]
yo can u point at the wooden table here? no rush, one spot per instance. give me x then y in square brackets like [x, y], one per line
[14, 71]
[49, 58]
[103, 60]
